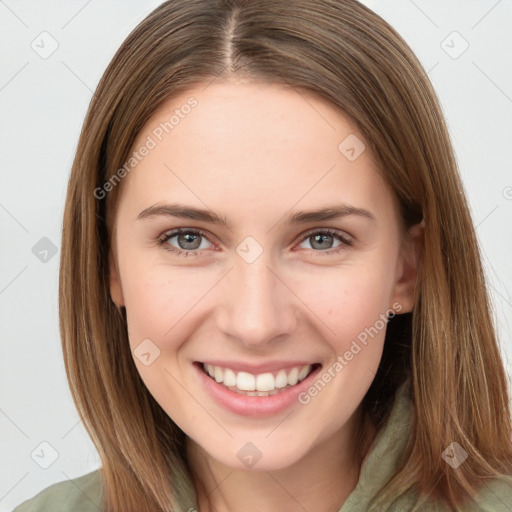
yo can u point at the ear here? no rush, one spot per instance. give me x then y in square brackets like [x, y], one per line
[408, 268]
[116, 291]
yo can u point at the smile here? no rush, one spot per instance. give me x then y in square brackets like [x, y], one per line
[263, 384]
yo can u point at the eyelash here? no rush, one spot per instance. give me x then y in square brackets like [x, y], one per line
[162, 241]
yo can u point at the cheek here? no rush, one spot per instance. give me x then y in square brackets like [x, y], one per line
[159, 300]
[351, 304]
[160, 303]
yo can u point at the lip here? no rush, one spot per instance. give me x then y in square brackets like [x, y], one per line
[253, 406]
[257, 369]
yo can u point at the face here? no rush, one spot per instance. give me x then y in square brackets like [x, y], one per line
[255, 284]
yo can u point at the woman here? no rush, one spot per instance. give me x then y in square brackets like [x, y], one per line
[271, 295]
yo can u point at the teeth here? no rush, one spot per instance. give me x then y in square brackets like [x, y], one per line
[304, 372]
[264, 384]
[281, 379]
[293, 377]
[245, 381]
[229, 377]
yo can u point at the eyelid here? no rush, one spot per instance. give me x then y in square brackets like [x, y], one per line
[330, 231]
[345, 239]
[166, 236]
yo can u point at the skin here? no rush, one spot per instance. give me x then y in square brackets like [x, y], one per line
[254, 154]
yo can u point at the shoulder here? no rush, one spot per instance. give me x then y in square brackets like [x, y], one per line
[496, 495]
[82, 494]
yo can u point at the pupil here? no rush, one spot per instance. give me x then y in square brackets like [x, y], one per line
[320, 239]
[188, 238]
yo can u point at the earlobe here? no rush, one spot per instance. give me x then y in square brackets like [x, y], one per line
[408, 267]
[116, 291]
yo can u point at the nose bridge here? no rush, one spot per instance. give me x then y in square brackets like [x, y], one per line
[257, 307]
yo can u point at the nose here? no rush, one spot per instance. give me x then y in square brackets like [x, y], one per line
[256, 305]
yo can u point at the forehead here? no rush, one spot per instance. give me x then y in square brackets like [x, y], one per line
[249, 144]
[258, 116]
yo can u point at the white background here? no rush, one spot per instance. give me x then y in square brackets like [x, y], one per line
[42, 106]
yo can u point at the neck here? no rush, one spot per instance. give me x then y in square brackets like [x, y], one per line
[321, 480]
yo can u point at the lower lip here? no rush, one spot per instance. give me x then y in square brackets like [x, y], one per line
[255, 406]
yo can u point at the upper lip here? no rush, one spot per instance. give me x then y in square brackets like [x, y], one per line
[256, 369]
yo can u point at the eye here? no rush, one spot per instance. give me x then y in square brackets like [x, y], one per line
[188, 242]
[191, 241]
[323, 241]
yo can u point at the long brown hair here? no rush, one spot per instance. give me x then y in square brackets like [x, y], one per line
[341, 51]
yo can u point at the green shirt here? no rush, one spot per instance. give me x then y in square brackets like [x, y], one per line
[84, 494]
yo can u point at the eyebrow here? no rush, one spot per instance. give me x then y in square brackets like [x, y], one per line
[300, 217]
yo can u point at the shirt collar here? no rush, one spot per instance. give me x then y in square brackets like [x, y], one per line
[384, 454]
